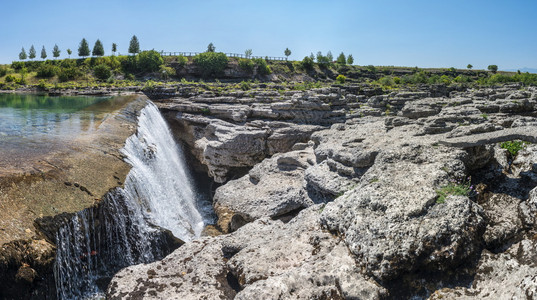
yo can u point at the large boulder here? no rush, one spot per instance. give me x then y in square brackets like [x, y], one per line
[391, 220]
[265, 259]
[271, 189]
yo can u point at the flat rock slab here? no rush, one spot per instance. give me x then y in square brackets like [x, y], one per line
[526, 133]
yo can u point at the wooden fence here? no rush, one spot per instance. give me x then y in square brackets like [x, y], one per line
[190, 54]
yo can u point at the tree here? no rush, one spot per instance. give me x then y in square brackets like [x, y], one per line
[350, 59]
[312, 57]
[287, 52]
[114, 48]
[329, 56]
[43, 53]
[31, 52]
[211, 48]
[134, 45]
[56, 51]
[22, 55]
[469, 66]
[493, 68]
[248, 53]
[341, 59]
[83, 48]
[69, 52]
[98, 49]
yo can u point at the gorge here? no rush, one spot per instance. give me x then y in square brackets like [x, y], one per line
[327, 193]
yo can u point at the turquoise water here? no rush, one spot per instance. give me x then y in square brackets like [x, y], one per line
[37, 115]
[33, 125]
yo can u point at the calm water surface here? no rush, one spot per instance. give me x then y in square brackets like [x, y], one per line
[31, 125]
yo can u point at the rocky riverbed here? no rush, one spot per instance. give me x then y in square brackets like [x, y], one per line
[332, 193]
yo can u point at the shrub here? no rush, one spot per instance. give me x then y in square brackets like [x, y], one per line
[341, 79]
[47, 71]
[66, 74]
[245, 85]
[211, 63]
[149, 61]
[10, 78]
[102, 71]
[246, 64]
[397, 80]
[513, 146]
[3, 71]
[262, 67]
[386, 81]
[307, 63]
[181, 60]
[166, 72]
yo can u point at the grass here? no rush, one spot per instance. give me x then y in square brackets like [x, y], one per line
[457, 187]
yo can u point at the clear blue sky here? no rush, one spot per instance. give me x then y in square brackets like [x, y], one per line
[424, 33]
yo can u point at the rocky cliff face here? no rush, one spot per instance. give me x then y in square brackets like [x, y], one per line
[333, 193]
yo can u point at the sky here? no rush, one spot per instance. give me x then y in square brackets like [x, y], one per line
[423, 33]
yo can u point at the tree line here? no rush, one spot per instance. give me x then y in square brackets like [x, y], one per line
[83, 49]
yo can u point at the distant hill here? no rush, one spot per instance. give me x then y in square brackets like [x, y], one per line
[523, 70]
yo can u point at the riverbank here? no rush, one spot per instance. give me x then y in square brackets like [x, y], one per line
[56, 179]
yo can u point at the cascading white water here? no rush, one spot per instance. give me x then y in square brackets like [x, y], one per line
[159, 180]
[126, 228]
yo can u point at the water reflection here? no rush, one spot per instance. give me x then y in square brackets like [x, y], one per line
[35, 124]
[37, 115]
[27, 115]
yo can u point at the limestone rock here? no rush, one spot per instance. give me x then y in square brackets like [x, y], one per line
[390, 220]
[271, 189]
[509, 275]
[265, 259]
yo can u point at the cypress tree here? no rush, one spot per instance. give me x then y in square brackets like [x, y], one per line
[341, 59]
[83, 48]
[134, 46]
[32, 52]
[69, 52]
[22, 55]
[114, 48]
[98, 49]
[211, 48]
[43, 53]
[56, 51]
[350, 59]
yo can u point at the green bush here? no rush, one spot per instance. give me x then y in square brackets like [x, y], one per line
[47, 71]
[3, 71]
[166, 72]
[262, 67]
[149, 61]
[181, 60]
[102, 71]
[246, 64]
[10, 78]
[66, 74]
[245, 85]
[386, 81]
[307, 63]
[17, 65]
[341, 79]
[211, 63]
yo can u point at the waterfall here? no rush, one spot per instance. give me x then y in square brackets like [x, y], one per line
[133, 224]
